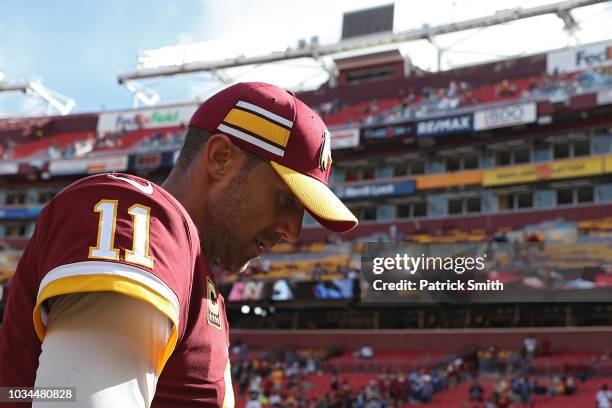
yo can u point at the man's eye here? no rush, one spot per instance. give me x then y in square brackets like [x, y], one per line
[287, 201]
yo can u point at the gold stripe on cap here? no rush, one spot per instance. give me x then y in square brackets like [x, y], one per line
[257, 125]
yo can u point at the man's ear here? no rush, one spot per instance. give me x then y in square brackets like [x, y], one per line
[219, 156]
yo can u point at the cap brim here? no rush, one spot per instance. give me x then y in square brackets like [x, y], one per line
[318, 199]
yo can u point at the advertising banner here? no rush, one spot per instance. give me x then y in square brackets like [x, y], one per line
[608, 164]
[334, 289]
[344, 138]
[442, 180]
[579, 58]
[247, 291]
[107, 163]
[148, 161]
[88, 165]
[112, 122]
[20, 213]
[7, 167]
[363, 191]
[545, 171]
[604, 97]
[505, 116]
[387, 132]
[68, 166]
[445, 126]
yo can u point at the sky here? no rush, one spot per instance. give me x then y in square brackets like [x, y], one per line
[78, 48]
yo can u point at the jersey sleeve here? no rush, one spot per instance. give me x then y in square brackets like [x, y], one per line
[124, 335]
[109, 234]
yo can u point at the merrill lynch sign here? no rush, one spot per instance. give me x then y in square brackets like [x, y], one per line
[361, 191]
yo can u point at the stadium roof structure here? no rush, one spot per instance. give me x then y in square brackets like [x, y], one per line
[184, 63]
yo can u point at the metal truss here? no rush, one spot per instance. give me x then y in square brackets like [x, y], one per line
[57, 103]
[141, 94]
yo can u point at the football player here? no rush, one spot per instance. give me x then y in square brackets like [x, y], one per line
[115, 294]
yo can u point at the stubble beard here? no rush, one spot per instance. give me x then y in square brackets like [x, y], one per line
[222, 223]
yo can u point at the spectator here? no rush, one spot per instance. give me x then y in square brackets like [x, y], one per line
[501, 386]
[603, 398]
[556, 385]
[529, 347]
[54, 151]
[453, 89]
[335, 382]
[311, 365]
[275, 400]
[253, 401]
[277, 376]
[521, 390]
[476, 391]
[366, 352]
[570, 385]
[537, 388]
[255, 385]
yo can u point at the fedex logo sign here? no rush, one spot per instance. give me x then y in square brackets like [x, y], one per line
[586, 59]
[576, 59]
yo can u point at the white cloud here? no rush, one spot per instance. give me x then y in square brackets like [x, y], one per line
[185, 39]
[16, 104]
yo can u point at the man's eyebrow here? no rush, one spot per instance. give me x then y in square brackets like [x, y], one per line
[285, 190]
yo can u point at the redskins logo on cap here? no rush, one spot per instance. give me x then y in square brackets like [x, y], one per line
[325, 158]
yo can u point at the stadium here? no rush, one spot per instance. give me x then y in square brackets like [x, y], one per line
[507, 159]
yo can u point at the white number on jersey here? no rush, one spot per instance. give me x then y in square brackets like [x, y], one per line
[105, 247]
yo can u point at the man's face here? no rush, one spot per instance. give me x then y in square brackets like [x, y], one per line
[251, 210]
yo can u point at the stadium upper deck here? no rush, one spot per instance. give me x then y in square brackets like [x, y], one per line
[477, 149]
[490, 152]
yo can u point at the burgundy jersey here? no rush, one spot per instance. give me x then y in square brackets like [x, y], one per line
[120, 233]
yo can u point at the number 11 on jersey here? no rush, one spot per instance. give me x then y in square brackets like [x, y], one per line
[105, 246]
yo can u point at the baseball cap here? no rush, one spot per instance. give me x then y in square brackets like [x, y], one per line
[272, 122]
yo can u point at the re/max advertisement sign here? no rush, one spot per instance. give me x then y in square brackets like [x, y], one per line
[445, 126]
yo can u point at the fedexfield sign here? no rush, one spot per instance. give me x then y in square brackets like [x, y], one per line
[579, 58]
[145, 118]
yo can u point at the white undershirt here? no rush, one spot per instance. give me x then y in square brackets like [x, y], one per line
[105, 344]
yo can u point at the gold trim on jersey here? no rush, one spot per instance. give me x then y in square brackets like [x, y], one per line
[108, 283]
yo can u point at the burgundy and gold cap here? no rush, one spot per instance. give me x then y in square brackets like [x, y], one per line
[271, 122]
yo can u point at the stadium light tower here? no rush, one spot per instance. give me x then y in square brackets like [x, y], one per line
[148, 96]
[57, 103]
